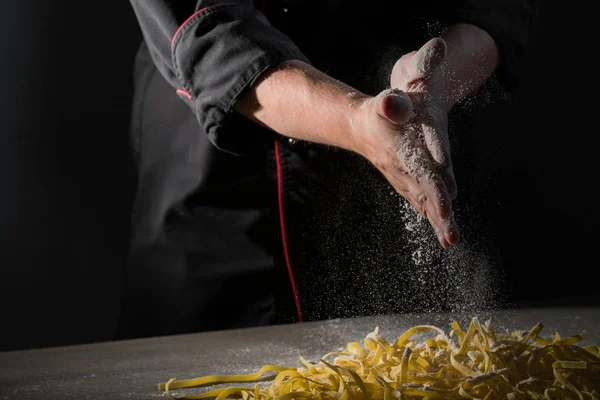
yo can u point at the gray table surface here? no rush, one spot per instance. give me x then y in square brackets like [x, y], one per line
[132, 369]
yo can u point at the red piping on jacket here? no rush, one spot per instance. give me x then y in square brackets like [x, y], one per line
[279, 176]
[283, 232]
[282, 218]
[189, 19]
[185, 22]
[184, 92]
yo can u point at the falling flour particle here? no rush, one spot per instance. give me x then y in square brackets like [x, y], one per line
[459, 279]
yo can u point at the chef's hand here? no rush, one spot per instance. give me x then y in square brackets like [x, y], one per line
[419, 75]
[297, 100]
[390, 135]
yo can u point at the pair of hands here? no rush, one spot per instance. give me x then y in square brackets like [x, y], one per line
[403, 132]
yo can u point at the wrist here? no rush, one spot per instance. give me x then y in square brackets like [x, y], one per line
[471, 59]
[355, 106]
[298, 101]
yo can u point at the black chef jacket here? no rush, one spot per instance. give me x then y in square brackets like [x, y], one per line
[235, 226]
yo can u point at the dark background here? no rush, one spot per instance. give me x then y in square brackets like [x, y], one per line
[67, 180]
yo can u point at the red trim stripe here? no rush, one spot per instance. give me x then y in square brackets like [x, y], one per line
[284, 240]
[184, 92]
[185, 22]
[189, 19]
[283, 232]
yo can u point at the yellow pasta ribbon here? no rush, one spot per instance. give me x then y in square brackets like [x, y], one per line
[476, 363]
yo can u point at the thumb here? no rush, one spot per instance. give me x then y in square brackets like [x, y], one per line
[395, 106]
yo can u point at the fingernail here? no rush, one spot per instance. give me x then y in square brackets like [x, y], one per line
[452, 236]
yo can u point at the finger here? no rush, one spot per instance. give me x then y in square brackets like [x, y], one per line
[450, 181]
[429, 197]
[435, 134]
[395, 106]
[441, 237]
[426, 187]
[421, 209]
[438, 210]
[427, 191]
[422, 204]
[438, 207]
[430, 56]
[418, 64]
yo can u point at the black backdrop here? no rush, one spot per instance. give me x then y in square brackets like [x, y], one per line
[67, 180]
[66, 177]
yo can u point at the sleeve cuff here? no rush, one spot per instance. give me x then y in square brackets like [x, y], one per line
[218, 57]
[232, 132]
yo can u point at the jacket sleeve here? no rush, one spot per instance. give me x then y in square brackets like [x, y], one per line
[210, 53]
[510, 23]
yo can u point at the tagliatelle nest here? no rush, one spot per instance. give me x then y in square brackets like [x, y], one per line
[477, 364]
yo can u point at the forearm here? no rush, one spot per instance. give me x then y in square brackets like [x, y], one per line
[472, 57]
[301, 102]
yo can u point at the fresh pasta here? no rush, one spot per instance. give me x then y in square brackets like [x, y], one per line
[425, 363]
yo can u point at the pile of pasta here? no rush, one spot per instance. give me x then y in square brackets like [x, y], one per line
[425, 363]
